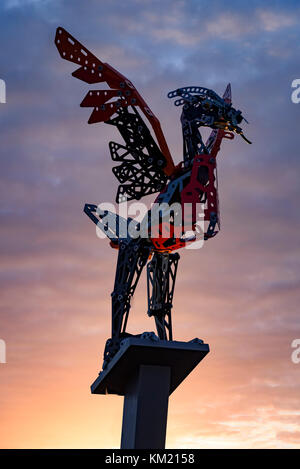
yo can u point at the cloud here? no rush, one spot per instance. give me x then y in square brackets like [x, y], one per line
[273, 21]
[229, 26]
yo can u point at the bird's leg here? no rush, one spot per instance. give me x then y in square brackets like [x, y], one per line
[161, 276]
[132, 257]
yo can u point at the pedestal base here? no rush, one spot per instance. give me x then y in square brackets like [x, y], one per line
[146, 372]
[181, 357]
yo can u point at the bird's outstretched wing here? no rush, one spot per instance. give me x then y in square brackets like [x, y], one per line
[145, 165]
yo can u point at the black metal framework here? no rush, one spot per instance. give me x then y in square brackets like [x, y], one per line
[202, 107]
[132, 257]
[161, 276]
[141, 170]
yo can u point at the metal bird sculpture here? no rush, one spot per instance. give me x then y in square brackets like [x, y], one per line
[145, 166]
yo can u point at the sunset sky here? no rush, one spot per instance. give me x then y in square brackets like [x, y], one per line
[239, 293]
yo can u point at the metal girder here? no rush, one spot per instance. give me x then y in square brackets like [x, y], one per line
[161, 276]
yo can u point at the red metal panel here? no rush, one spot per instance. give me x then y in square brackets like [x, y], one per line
[92, 70]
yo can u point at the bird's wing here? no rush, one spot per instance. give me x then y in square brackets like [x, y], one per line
[145, 165]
